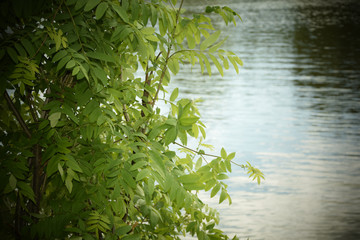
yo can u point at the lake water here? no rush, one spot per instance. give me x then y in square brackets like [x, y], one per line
[294, 112]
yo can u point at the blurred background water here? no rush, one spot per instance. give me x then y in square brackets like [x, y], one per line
[293, 111]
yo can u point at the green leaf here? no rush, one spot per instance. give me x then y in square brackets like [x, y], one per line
[13, 55]
[188, 121]
[26, 190]
[83, 70]
[142, 174]
[223, 196]
[71, 163]
[215, 190]
[54, 119]
[20, 50]
[189, 178]
[210, 40]
[68, 183]
[222, 176]
[157, 162]
[234, 63]
[28, 46]
[148, 30]
[173, 65]
[100, 10]
[170, 135]
[91, 4]
[231, 156]
[101, 74]
[70, 64]
[121, 12]
[12, 182]
[101, 56]
[207, 64]
[152, 38]
[136, 156]
[61, 171]
[190, 40]
[217, 45]
[59, 55]
[198, 163]
[62, 62]
[228, 165]
[174, 94]
[217, 64]
[75, 71]
[223, 153]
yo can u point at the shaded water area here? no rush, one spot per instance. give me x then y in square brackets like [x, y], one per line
[294, 112]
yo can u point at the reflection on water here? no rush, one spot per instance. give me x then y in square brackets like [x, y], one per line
[293, 111]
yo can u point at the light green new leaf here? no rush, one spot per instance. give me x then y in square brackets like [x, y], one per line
[215, 190]
[170, 135]
[188, 121]
[223, 153]
[189, 178]
[142, 174]
[231, 156]
[234, 63]
[152, 38]
[190, 40]
[217, 45]
[173, 65]
[223, 196]
[174, 94]
[207, 64]
[198, 163]
[147, 30]
[210, 40]
[222, 176]
[195, 130]
[217, 64]
[54, 118]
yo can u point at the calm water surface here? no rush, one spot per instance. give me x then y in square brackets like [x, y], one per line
[294, 112]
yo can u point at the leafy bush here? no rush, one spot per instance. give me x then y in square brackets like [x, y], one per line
[85, 151]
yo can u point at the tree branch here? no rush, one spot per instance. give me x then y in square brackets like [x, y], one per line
[17, 114]
[167, 56]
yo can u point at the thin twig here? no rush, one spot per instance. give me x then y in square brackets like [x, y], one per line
[197, 152]
[206, 154]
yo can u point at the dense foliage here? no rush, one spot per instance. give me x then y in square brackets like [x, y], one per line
[84, 149]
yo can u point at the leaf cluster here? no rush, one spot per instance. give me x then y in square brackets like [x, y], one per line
[85, 151]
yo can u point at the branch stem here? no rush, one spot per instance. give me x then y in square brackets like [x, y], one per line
[197, 152]
[17, 114]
